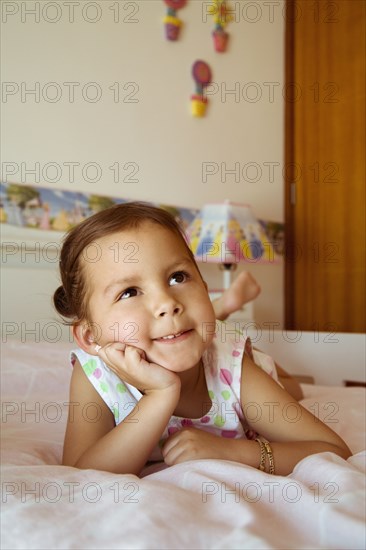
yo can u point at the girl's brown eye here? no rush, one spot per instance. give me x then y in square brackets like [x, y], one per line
[177, 278]
[128, 293]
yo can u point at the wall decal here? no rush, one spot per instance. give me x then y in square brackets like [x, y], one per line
[35, 207]
[172, 22]
[201, 73]
[221, 14]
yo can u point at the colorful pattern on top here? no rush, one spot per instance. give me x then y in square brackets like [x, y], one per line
[222, 363]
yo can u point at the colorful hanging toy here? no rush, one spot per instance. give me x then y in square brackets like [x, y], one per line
[220, 11]
[201, 73]
[172, 22]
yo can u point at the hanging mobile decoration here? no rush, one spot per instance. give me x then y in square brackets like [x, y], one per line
[201, 73]
[220, 11]
[172, 22]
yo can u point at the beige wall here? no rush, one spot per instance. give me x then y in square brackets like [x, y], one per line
[163, 154]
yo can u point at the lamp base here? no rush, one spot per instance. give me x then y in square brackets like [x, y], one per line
[227, 269]
[227, 279]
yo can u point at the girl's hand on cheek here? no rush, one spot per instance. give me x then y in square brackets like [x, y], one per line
[130, 364]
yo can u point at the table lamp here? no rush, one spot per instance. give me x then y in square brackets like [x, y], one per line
[228, 233]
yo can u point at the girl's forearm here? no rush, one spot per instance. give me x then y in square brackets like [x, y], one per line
[285, 455]
[127, 447]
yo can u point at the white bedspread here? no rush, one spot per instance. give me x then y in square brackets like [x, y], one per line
[198, 504]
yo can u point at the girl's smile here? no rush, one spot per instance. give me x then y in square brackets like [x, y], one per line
[174, 338]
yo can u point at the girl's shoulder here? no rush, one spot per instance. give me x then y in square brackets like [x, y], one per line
[229, 345]
[231, 341]
[223, 359]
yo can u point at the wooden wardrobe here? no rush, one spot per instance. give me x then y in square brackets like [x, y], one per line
[325, 166]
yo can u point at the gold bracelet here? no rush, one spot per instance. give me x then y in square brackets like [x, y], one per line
[262, 463]
[269, 452]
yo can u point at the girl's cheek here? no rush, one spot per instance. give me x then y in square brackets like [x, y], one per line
[126, 332]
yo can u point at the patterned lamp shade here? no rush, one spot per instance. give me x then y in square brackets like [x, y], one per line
[228, 233]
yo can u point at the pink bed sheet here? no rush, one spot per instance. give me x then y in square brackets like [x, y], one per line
[198, 504]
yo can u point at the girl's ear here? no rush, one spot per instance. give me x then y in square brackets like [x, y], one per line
[84, 336]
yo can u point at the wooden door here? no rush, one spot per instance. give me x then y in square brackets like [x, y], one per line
[325, 165]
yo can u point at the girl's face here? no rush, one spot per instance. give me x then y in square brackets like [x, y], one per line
[145, 290]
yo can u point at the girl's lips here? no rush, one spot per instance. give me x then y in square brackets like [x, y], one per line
[173, 339]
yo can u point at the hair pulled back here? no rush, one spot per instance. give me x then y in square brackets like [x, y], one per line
[70, 298]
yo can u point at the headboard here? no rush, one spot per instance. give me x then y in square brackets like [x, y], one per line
[29, 261]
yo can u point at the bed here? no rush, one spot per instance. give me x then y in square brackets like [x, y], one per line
[197, 504]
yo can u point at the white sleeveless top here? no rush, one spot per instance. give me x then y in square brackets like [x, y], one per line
[222, 367]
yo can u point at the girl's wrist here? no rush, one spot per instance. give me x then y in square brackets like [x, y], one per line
[248, 452]
[171, 391]
[164, 401]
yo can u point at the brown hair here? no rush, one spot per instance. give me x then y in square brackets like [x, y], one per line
[70, 298]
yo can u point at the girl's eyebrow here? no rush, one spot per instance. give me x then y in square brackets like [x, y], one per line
[181, 262]
[123, 282]
[184, 263]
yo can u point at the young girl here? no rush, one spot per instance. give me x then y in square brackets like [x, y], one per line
[156, 377]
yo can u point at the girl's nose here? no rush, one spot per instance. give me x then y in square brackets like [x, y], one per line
[172, 311]
[167, 305]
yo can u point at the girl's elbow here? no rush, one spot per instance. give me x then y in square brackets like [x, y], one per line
[74, 461]
[70, 463]
[342, 450]
[346, 452]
